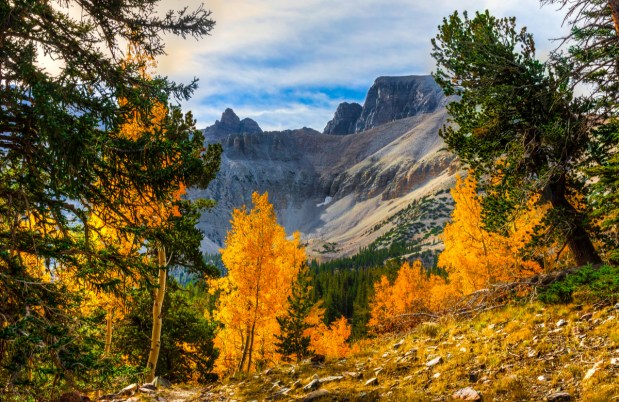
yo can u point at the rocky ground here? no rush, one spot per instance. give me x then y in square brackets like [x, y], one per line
[529, 351]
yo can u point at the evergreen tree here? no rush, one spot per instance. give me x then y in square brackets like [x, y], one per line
[293, 340]
[517, 124]
[63, 157]
[592, 53]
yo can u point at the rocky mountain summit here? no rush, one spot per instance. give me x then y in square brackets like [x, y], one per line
[340, 190]
[231, 124]
[389, 99]
[345, 119]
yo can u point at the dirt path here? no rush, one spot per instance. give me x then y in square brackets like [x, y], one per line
[180, 395]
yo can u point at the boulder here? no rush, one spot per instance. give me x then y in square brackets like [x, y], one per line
[161, 382]
[467, 394]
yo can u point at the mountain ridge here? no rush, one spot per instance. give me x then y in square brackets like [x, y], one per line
[336, 188]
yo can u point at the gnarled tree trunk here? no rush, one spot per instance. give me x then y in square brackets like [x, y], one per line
[576, 236]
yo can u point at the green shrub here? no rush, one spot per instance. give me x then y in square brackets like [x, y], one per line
[597, 283]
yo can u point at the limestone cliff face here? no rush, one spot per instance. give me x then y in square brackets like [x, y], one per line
[335, 188]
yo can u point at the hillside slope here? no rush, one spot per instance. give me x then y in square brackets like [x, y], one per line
[525, 351]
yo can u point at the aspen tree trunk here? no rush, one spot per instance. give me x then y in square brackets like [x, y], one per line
[244, 354]
[108, 333]
[251, 346]
[253, 327]
[155, 341]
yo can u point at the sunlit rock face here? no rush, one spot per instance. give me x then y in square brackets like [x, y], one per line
[337, 186]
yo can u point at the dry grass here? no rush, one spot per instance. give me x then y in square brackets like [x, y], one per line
[517, 353]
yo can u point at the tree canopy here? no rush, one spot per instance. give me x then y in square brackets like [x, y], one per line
[517, 124]
[64, 156]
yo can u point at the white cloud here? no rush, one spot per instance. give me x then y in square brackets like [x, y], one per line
[263, 53]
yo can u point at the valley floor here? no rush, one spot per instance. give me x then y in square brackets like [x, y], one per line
[527, 351]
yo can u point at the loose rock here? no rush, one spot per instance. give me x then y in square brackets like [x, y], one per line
[354, 374]
[148, 391]
[331, 378]
[591, 372]
[312, 396]
[434, 362]
[128, 390]
[467, 394]
[314, 384]
[559, 397]
[372, 381]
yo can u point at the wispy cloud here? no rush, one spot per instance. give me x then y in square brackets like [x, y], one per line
[287, 64]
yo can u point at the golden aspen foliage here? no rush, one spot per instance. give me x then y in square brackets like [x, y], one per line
[475, 258]
[261, 266]
[412, 292]
[331, 341]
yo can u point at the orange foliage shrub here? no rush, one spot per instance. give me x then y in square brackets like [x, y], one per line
[412, 292]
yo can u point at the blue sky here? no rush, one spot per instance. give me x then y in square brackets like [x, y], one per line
[288, 64]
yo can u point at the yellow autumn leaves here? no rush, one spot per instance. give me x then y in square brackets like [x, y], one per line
[473, 259]
[262, 264]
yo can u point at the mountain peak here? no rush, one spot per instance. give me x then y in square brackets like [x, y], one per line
[389, 99]
[230, 123]
[394, 98]
[344, 120]
[230, 119]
